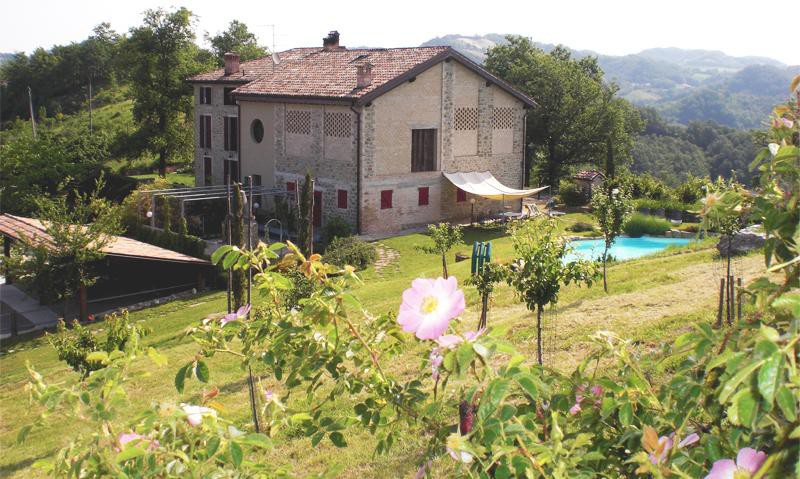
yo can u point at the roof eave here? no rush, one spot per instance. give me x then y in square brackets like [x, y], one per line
[308, 99]
[450, 53]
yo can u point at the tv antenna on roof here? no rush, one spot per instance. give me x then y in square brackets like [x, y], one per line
[276, 60]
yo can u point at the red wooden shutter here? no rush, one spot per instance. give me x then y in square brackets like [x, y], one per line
[341, 199]
[208, 131]
[461, 195]
[291, 186]
[423, 195]
[207, 173]
[202, 131]
[386, 199]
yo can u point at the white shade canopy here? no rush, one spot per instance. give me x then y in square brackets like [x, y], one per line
[483, 183]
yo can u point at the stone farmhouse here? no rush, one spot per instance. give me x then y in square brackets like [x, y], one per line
[375, 127]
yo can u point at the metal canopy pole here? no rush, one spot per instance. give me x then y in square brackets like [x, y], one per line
[249, 292]
[229, 232]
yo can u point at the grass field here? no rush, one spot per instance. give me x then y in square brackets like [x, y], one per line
[176, 179]
[650, 300]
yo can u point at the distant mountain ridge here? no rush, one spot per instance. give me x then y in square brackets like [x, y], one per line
[684, 85]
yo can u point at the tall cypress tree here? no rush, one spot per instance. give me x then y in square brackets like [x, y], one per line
[305, 229]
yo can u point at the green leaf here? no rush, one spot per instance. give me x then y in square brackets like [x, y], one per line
[130, 453]
[300, 418]
[528, 384]
[219, 253]
[787, 402]
[97, 357]
[231, 258]
[789, 302]
[626, 414]
[337, 439]
[212, 446]
[769, 378]
[22, 435]
[480, 349]
[236, 453]
[180, 378]
[494, 395]
[730, 387]
[201, 371]
[156, 357]
[743, 408]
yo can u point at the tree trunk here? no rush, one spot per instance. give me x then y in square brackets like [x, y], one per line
[484, 308]
[610, 167]
[444, 265]
[605, 255]
[162, 163]
[539, 335]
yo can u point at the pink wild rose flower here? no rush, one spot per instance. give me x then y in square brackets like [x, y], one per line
[429, 305]
[235, 316]
[748, 462]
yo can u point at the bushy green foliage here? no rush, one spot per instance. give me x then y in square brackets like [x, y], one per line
[236, 39]
[581, 227]
[349, 250]
[644, 186]
[337, 227]
[571, 194]
[579, 118]
[305, 216]
[79, 226]
[692, 189]
[639, 225]
[76, 346]
[182, 243]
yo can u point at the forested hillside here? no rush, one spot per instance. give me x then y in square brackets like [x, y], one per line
[136, 120]
[683, 85]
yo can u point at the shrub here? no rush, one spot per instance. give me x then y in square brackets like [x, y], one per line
[81, 349]
[640, 224]
[581, 227]
[350, 251]
[571, 194]
[337, 227]
[645, 186]
[691, 190]
[302, 287]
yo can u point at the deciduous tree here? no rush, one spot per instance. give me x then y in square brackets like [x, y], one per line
[161, 54]
[238, 39]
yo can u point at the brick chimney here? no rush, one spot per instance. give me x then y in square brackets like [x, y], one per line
[331, 42]
[363, 75]
[231, 63]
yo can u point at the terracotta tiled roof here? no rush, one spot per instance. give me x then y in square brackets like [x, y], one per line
[332, 74]
[250, 70]
[589, 175]
[307, 73]
[18, 226]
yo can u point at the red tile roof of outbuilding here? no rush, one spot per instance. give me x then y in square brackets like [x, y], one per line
[19, 226]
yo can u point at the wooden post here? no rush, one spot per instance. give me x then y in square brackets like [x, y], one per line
[539, 335]
[731, 292]
[721, 302]
[739, 299]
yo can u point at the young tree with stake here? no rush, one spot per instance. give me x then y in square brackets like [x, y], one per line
[444, 236]
[612, 209]
[538, 272]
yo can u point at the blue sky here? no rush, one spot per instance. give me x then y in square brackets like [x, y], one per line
[614, 27]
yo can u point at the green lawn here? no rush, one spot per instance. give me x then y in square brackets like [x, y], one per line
[648, 301]
[177, 179]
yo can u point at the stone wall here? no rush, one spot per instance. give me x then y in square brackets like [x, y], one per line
[479, 144]
[218, 110]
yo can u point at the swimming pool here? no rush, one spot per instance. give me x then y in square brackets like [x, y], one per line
[623, 248]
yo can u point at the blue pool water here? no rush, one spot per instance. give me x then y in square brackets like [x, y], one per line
[623, 248]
